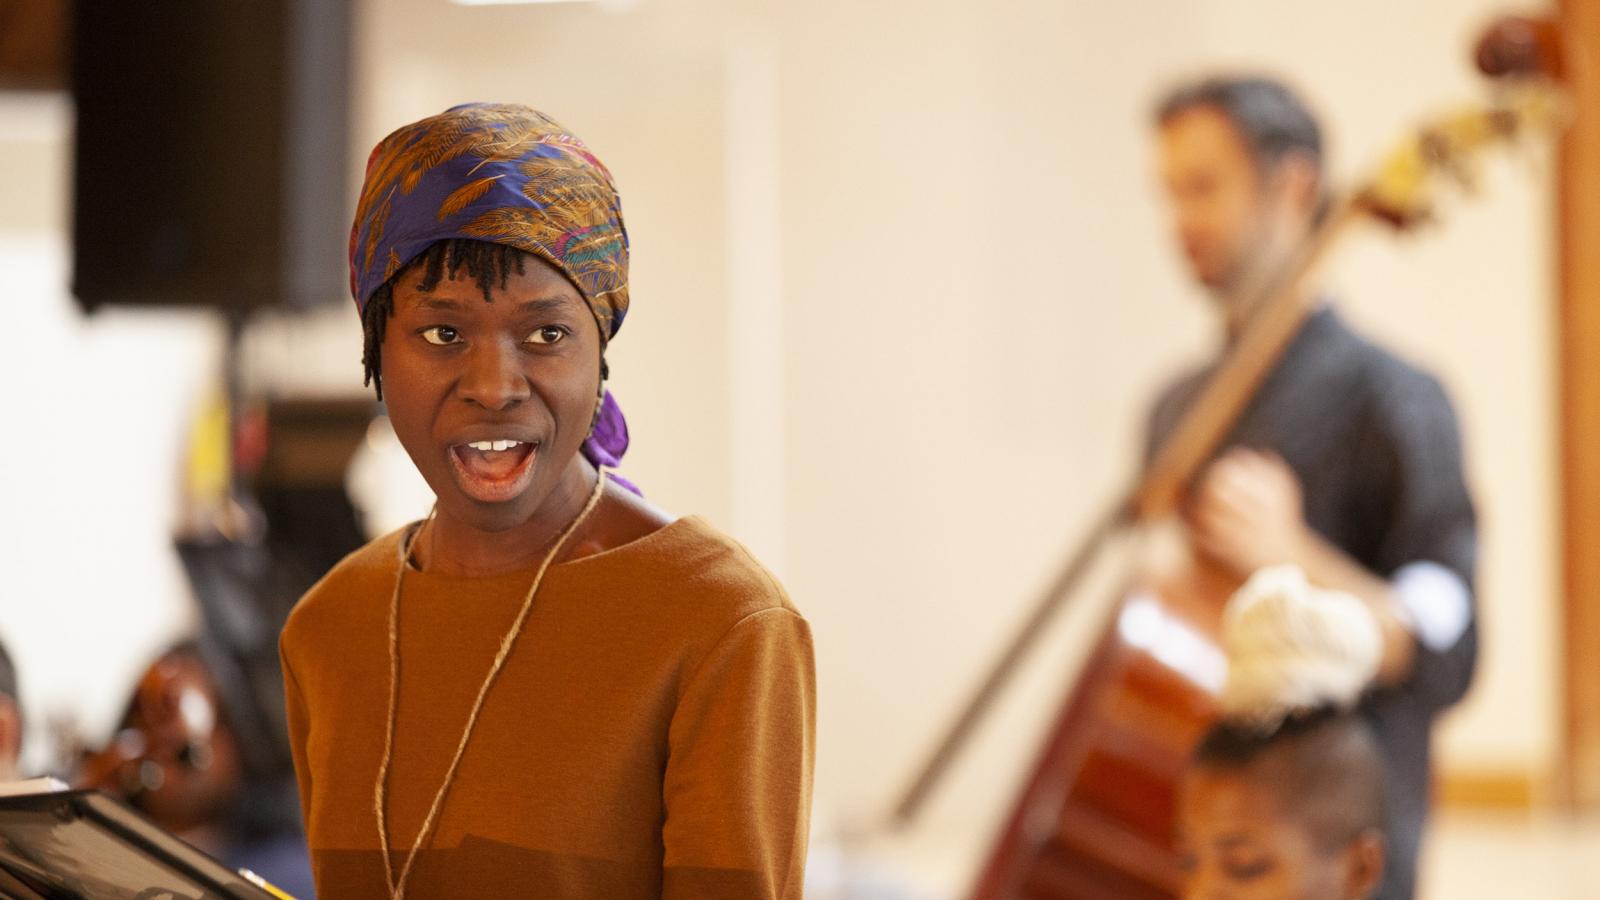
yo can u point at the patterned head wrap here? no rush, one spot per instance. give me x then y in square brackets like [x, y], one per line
[510, 175]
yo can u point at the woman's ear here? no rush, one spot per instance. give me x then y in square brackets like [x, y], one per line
[1364, 861]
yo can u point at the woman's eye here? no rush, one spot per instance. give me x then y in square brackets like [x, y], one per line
[549, 334]
[441, 334]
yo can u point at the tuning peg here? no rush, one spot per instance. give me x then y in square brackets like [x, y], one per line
[1522, 47]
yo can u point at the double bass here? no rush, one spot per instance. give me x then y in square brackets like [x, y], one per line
[1095, 820]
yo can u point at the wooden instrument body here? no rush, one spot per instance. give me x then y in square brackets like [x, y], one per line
[1095, 820]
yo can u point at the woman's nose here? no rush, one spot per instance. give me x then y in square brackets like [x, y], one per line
[494, 378]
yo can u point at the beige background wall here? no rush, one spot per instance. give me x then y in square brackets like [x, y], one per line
[902, 292]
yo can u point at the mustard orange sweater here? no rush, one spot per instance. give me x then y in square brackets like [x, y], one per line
[651, 734]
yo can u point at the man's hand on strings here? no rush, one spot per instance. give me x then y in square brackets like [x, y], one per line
[1247, 512]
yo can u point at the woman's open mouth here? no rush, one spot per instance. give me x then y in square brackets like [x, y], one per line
[493, 471]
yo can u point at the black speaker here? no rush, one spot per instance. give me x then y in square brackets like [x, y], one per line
[211, 152]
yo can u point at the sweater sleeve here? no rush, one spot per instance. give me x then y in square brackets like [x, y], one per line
[737, 788]
[299, 727]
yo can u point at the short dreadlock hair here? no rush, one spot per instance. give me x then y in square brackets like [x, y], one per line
[1324, 766]
[489, 263]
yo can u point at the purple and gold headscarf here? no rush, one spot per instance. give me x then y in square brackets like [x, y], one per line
[510, 175]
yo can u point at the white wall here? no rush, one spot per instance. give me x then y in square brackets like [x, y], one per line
[979, 304]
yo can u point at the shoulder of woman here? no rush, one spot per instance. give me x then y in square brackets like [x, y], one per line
[350, 592]
[701, 571]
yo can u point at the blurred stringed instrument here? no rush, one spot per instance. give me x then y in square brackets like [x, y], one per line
[1095, 819]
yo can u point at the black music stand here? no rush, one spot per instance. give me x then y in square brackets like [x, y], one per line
[84, 845]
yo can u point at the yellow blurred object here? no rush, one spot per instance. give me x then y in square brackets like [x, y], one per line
[207, 505]
[208, 471]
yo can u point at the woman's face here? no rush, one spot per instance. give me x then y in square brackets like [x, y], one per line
[1240, 845]
[492, 399]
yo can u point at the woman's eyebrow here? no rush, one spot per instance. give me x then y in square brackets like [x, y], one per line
[427, 301]
[558, 303]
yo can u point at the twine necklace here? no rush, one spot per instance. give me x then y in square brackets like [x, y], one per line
[397, 885]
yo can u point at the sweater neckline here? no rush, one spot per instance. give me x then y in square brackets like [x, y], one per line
[637, 545]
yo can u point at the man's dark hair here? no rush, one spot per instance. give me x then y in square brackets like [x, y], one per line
[489, 263]
[1273, 122]
[1324, 767]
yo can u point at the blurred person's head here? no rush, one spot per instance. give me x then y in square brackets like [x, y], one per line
[1241, 165]
[175, 756]
[490, 263]
[10, 718]
[1295, 813]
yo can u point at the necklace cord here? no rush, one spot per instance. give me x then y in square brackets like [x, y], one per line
[397, 885]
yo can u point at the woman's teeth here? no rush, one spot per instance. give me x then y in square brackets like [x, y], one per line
[494, 470]
[487, 446]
